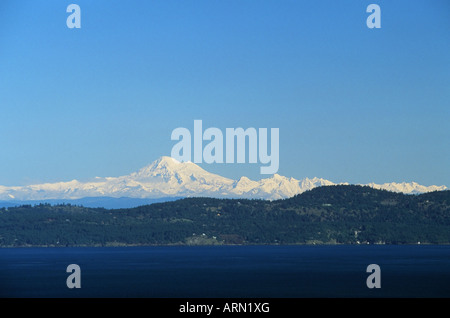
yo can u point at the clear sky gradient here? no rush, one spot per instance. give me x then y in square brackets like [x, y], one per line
[353, 104]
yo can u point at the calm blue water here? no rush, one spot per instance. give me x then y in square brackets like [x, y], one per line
[227, 271]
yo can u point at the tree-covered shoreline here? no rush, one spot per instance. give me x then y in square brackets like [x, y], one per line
[343, 214]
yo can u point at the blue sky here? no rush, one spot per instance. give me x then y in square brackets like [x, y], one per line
[353, 104]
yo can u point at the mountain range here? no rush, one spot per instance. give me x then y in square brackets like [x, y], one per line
[169, 178]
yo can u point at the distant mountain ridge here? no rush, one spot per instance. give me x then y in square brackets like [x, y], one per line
[166, 177]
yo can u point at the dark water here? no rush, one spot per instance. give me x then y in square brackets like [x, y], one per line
[227, 271]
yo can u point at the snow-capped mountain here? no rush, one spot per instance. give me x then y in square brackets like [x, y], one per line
[407, 187]
[166, 177]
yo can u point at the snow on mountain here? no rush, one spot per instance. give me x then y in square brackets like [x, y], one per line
[410, 188]
[167, 177]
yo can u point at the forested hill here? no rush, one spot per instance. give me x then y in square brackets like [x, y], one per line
[345, 214]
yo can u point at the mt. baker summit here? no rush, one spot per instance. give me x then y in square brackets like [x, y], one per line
[167, 177]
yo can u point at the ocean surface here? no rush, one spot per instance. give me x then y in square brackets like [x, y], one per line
[227, 271]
